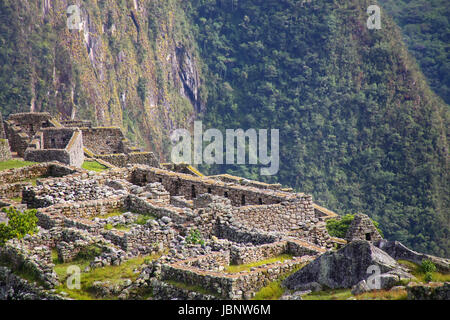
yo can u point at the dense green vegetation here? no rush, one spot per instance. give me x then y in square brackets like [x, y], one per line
[338, 227]
[426, 31]
[359, 127]
[19, 224]
[425, 272]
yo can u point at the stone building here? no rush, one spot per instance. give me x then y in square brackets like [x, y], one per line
[27, 136]
[21, 128]
[362, 228]
[61, 144]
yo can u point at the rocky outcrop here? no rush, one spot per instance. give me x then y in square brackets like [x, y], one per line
[346, 267]
[399, 251]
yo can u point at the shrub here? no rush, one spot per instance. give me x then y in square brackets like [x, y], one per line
[428, 277]
[19, 224]
[195, 237]
[338, 227]
[428, 266]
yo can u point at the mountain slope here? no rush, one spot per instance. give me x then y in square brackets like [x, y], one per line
[426, 31]
[360, 129]
[133, 64]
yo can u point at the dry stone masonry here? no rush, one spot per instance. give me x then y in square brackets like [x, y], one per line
[192, 228]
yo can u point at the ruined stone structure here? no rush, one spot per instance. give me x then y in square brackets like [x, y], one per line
[193, 227]
[362, 228]
[21, 128]
[60, 144]
[38, 137]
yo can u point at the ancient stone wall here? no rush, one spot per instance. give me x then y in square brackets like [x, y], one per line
[229, 286]
[122, 159]
[362, 228]
[103, 140]
[57, 144]
[189, 186]
[35, 171]
[5, 152]
[282, 217]
[31, 122]
[77, 123]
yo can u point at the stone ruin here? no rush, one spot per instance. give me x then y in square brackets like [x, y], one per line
[40, 138]
[194, 227]
[362, 228]
[239, 222]
[60, 144]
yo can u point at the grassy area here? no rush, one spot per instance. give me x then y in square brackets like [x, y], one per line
[114, 274]
[109, 215]
[22, 272]
[248, 266]
[274, 290]
[190, 287]
[18, 199]
[93, 166]
[337, 294]
[11, 164]
[142, 219]
[383, 295]
[417, 272]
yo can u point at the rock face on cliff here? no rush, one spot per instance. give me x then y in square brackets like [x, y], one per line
[131, 64]
[346, 267]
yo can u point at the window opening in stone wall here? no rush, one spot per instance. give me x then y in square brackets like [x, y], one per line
[193, 192]
[243, 200]
[368, 237]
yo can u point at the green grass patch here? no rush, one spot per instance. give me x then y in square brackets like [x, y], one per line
[119, 226]
[142, 219]
[114, 274]
[248, 266]
[94, 166]
[190, 287]
[419, 273]
[109, 215]
[11, 164]
[17, 199]
[274, 290]
[335, 294]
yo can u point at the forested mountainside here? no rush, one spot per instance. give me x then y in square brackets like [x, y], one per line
[360, 128]
[132, 64]
[426, 31]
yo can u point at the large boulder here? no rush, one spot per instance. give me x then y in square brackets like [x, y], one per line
[347, 267]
